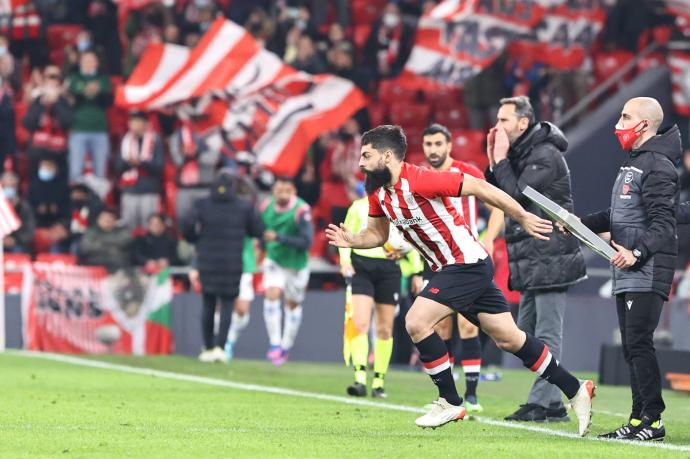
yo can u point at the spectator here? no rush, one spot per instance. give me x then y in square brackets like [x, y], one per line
[142, 27]
[102, 22]
[156, 249]
[342, 167]
[171, 34]
[306, 58]
[92, 94]
[341, 60]
[8, 140]
[20, 240]
[48, 118]
[196, 167]
[139, 167]
[52, 239]
[320, 11]
[389, 43]
[482, 92]
[48, 194]
[84, 208]
[106, 244]
[9, 72]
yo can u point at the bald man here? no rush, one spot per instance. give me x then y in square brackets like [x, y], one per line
[642, 222]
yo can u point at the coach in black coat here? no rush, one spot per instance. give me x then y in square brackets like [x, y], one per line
[217, 225]
[523, 152]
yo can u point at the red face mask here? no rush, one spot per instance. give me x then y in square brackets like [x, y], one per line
[628, 137]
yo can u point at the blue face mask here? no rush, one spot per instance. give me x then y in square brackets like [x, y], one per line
[83, 45]
[10, 192]
[46, 175]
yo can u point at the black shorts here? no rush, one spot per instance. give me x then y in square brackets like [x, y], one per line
[376, 277]
[467, 289]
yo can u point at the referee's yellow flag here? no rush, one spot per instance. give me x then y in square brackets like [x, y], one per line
[349, 329]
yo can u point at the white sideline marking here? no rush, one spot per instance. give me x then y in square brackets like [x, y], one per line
[315, 395]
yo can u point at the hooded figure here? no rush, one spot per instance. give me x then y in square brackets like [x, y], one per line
[217, 226]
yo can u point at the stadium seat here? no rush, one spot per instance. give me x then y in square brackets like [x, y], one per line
[651, 61]
[366, 11]
[57, 258]
[389, 92]
[60, 35]
[469, 146]
[452, 117]
[360, 35]
[56, 57]
[410, 115]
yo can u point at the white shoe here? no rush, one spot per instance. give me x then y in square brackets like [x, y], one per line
[582, 405]
[207, 356]
[441, 413]
[219, 355]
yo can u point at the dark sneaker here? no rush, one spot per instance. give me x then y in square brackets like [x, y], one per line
[379, 392]
[557, 415]
[357, 390]
[623, 432]
[649, 432]
[528, 412]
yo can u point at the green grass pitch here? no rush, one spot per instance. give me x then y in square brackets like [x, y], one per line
[187, 409]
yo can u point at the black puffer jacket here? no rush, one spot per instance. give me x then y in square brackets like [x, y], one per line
[642, 216]
[218, 225]
[536, 159]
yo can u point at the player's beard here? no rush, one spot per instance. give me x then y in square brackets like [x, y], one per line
[376, 179]
[438, 160]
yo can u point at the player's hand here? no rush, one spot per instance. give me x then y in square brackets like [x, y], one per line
[536, 227]
[488, 246]
[270, 236]
[417, 284]
[347, 270]
[339, 236]
[624, 258]
[393, 255]
[490, 143]
[501, 145]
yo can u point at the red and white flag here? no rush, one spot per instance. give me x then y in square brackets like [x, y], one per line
[459, 38]
[253, 102]
[9, 222]
[19, 19]
[679, 62]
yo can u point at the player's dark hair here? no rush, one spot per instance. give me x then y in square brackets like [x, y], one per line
[387, 137]
[523, 107]
[437, 129]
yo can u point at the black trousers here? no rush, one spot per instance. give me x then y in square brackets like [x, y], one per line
[209, 309]
[638, 317]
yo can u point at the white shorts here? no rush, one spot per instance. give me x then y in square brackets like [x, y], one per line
[293, 283]
[246, 287]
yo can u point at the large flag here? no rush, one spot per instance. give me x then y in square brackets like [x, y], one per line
[252, 101]
[679, 62]
[81, 309]
[9, 222]
[459, 38]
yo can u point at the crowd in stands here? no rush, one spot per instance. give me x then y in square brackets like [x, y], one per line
[110, 187]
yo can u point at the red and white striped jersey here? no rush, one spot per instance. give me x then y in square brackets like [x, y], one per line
[420, 206]
[466, 206]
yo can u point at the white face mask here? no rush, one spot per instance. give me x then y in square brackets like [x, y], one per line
[391, 20]
[3, 50]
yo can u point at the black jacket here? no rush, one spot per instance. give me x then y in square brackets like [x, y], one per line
[536, 159]
[218, 225]
[642, 216]
[683, 216]
[151, 247]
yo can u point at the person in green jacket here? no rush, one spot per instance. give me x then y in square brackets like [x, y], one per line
[92, 94]
[287, 240]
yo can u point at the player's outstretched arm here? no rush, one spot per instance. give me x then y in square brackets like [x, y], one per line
[535, 226]
[374, 235]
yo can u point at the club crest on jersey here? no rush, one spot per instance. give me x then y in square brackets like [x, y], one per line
[628, 177]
